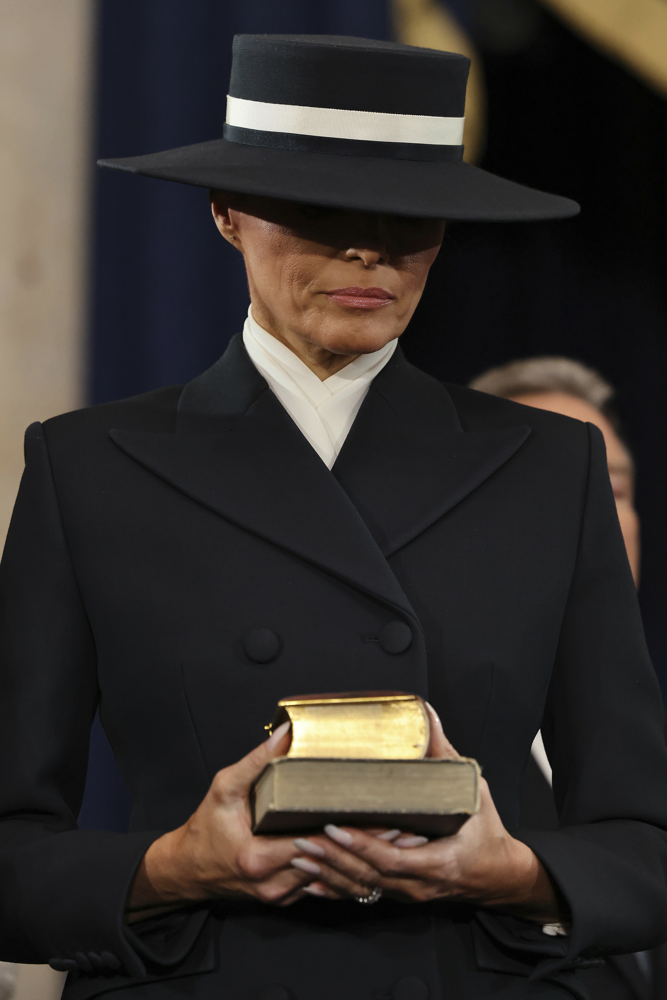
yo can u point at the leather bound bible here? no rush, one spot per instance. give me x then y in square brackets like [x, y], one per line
[360, 760]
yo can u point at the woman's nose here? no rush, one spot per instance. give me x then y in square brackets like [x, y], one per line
[367, 255]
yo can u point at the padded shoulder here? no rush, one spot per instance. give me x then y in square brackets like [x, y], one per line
[154, 411]
[480, 410]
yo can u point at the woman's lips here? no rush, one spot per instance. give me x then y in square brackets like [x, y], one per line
[361, 298]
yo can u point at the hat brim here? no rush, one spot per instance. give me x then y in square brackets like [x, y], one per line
[425, 189]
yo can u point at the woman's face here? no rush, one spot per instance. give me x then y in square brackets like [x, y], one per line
[342, 281]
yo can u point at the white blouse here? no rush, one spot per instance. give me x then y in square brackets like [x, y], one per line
[325, 410]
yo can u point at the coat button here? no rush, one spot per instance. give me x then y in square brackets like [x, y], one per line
[111, 961]
[96, 961]
[82, 961]
[273, 992]
[410, 988]
[261, 645]
[62, 964]
[395, 637]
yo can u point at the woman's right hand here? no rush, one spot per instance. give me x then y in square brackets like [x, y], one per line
[215, 854]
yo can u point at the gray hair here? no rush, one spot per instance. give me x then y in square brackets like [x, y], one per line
[546, 375]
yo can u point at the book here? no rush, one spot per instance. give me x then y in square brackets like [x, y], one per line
[359, 759]
[433, 797]
[363, 724]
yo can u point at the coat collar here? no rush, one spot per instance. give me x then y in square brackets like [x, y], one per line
[406, 462]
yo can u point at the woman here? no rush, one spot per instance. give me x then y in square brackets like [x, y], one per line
[315, 514]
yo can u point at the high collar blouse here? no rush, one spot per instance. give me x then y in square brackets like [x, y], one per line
[324, 411]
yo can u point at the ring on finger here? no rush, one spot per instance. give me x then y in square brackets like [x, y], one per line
[369, 900]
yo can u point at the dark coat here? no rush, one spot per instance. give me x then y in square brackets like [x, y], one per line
[617, 977]
[154, 539]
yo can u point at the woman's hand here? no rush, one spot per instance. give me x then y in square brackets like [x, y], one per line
[215, 853]
[480, 864]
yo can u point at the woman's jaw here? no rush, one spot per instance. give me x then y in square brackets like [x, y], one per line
[331, 284]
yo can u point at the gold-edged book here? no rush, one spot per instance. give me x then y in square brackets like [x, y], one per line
[360, 760]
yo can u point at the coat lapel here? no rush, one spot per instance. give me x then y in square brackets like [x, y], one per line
[237, 452]
[407, 460]
[405, 464]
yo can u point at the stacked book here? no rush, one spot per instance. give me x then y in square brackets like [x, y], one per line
[361, 760]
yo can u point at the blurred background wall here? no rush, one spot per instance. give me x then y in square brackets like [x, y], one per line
[112, 285]
[45, 72]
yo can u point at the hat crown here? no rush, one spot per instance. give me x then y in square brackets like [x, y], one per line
[355, 74]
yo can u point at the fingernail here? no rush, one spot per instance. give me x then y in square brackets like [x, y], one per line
[314, 890]
[411, 841]
[389, 835]
[340, 836]
[276, 737]
[436, 717]
[306, 866]
[309, 847]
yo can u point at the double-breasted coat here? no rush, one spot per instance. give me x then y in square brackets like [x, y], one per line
[184, 559]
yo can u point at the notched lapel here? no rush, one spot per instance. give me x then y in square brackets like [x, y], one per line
[401, 477]
[255, 468]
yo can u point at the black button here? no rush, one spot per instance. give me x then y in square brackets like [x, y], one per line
[96, 961]
[62, 964]
[410, 988]
[110, 960]
[395, 637]
[261, 645]
[273, 992]
[82, 961]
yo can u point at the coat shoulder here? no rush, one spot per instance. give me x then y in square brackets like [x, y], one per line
[151, 411]
[481, 411]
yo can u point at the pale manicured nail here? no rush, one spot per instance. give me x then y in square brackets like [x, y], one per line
[309, 847]
[314, 890]
[436, 717]
[304, 865]
[276, 737]
[389, 835]
[411, 842]
[340, 836]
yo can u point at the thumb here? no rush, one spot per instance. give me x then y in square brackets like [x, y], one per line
[237, 779]
[439, 745]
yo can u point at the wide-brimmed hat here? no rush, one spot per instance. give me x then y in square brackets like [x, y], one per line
[350, 123]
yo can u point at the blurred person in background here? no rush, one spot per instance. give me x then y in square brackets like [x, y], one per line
[565, 386]
[562, 385]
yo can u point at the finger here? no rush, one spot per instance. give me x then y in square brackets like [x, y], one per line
[236, 780]
[439, 745]
[407, 840]
[322, 891]
[339, 885]
[324, 855]
[276, 889]
[380, 856]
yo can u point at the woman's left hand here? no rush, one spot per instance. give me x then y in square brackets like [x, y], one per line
[481, 864]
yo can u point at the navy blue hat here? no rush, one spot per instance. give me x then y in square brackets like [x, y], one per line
[349, 123]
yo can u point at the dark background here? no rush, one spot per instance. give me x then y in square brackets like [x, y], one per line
[168, 293]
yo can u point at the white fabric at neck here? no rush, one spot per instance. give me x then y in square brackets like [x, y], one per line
[324, 411]
[336, 123]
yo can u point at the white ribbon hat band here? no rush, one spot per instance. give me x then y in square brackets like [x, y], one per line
[336, 123]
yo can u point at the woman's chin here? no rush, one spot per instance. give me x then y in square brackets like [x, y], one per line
[355, 338]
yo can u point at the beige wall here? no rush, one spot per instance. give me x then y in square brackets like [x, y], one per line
[44, 167]
[38, 982]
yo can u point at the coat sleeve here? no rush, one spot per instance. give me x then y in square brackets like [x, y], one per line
[62, 890]
[603, 732]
